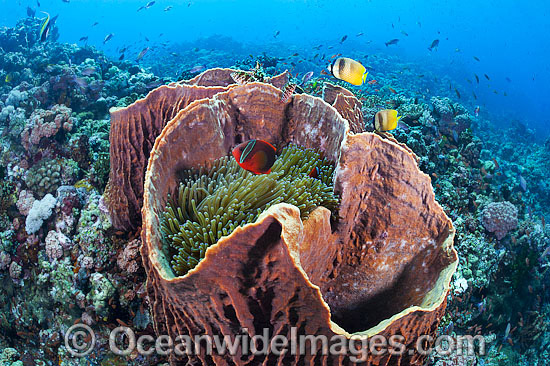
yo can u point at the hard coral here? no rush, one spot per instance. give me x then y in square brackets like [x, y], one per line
[48, 175]
[45, 124]
[499, 218]
[40, 211]
[383, 268]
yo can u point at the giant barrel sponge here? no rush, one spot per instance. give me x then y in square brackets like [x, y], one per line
[383, 268]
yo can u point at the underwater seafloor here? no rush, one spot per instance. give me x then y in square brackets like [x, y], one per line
[67, 264]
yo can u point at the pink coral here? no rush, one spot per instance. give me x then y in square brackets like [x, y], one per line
[5, 260]
[86, 262]
[15, 270]
[128, 259]
[56, 242]
[25, 201]
[46, 123]
[500, 217]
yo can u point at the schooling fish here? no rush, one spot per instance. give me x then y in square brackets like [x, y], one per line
[149, 4]
[45, 28]
[476, 111]
[142, 53]
[108, 37]
[343, 39]
[256, 156]
[457, 93]
[522, 182]
[391, 41]
[404, 33]
[197, 68]
[487, 77]
[83, 39]
[168, 8]
[349, 70]
[434, 44]
[30, 12]
[476, 58]
[88, 71]
[386, 120]
[306, 77]
[276, 34]
[477, 78]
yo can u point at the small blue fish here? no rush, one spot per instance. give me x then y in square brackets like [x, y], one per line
[45, 28]
[522, 183]
[307, 77]
[455, 136]
[108, 37]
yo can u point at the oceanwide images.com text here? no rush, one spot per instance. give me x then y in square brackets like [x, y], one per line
[80, 341]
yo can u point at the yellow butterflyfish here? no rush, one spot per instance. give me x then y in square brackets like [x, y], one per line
[349, 70]
[386, 120]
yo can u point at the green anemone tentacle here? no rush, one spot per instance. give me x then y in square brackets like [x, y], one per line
[211, 202]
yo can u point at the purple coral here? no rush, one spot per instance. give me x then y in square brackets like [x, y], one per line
[499, 218]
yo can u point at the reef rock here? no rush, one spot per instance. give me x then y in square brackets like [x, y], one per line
[383, 268]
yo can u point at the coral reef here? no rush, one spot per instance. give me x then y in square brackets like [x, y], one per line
[76, 267]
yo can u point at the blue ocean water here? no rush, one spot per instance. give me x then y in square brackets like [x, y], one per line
[508, 37]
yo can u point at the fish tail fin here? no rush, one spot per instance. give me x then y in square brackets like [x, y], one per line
[398, 118]
[365, 76]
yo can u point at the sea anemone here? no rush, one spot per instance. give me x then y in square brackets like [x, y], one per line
[212, 201]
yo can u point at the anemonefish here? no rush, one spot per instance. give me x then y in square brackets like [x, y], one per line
[256, 156]
[314, 173]
[45, 28]
[386, 120]
[349, 70]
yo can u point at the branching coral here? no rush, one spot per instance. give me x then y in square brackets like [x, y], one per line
[211, 203]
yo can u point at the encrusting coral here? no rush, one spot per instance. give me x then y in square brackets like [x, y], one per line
[383, 268]
[213, 202]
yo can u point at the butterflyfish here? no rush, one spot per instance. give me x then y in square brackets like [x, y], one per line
[256, 156]
[349, 70]
[386, 120]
